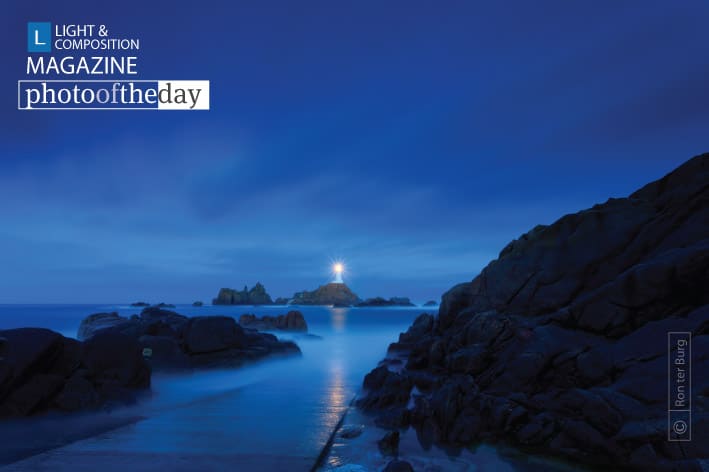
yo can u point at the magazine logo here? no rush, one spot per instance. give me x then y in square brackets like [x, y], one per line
[39, 37]
[90, 67]
[113, 95]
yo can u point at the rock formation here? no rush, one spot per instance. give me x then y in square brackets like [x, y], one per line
[173, 341]
[379, 301]
[292, 321]
[431, 303]
[41, 370]
[560, 345]
[256, 296]
[329, 294]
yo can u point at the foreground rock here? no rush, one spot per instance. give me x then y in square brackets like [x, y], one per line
[292, 321]
[174, 341]
[337, 294]
[41, 370]
[560, 345]
[379, 301]
[257, 295]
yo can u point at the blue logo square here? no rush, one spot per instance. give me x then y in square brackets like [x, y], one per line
[39, 37]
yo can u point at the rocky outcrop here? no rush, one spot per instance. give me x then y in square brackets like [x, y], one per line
[164, 305]
[174, 341]
[292, 321]
[560, 345]
[281, 301]
[140, 304]
[330, 294]
[98, 321]
[379, 301]
[431, 303]
[41, 370]
[257, 295]
[197, 304]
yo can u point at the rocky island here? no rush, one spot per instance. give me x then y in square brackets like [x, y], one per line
[333, 293]
[257, 295]
[380, 301]
[560, 345]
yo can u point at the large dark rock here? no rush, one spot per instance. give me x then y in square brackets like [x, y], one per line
[291, 321]
[204, 334]
[256, 296]
[41, 370]
[560, 344]
[115, 364]
[333, 293]
[173, 341]
[98, 321]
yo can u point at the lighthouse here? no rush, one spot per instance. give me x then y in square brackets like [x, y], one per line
[338, 268]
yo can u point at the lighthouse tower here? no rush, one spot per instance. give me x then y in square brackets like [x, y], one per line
[338, 268]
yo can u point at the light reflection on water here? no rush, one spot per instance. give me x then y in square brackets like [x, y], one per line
[338, 317]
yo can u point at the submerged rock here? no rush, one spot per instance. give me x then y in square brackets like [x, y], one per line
[398, 466]
[389, 444]
[351, 431]
[292, 321]
[41, 370]
[174, 341]
[560, 344]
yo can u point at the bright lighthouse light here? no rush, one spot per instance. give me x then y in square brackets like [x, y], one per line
[338, 268]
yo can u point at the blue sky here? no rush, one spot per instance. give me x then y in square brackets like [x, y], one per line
[411, 139]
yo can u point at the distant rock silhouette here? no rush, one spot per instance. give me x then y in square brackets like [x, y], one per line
[256, 296]
[379, 301]
[560, 345]
[198, 304]
[431, 303]
[329, 294]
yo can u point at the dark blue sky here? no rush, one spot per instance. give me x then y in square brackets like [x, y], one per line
[411, 139]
